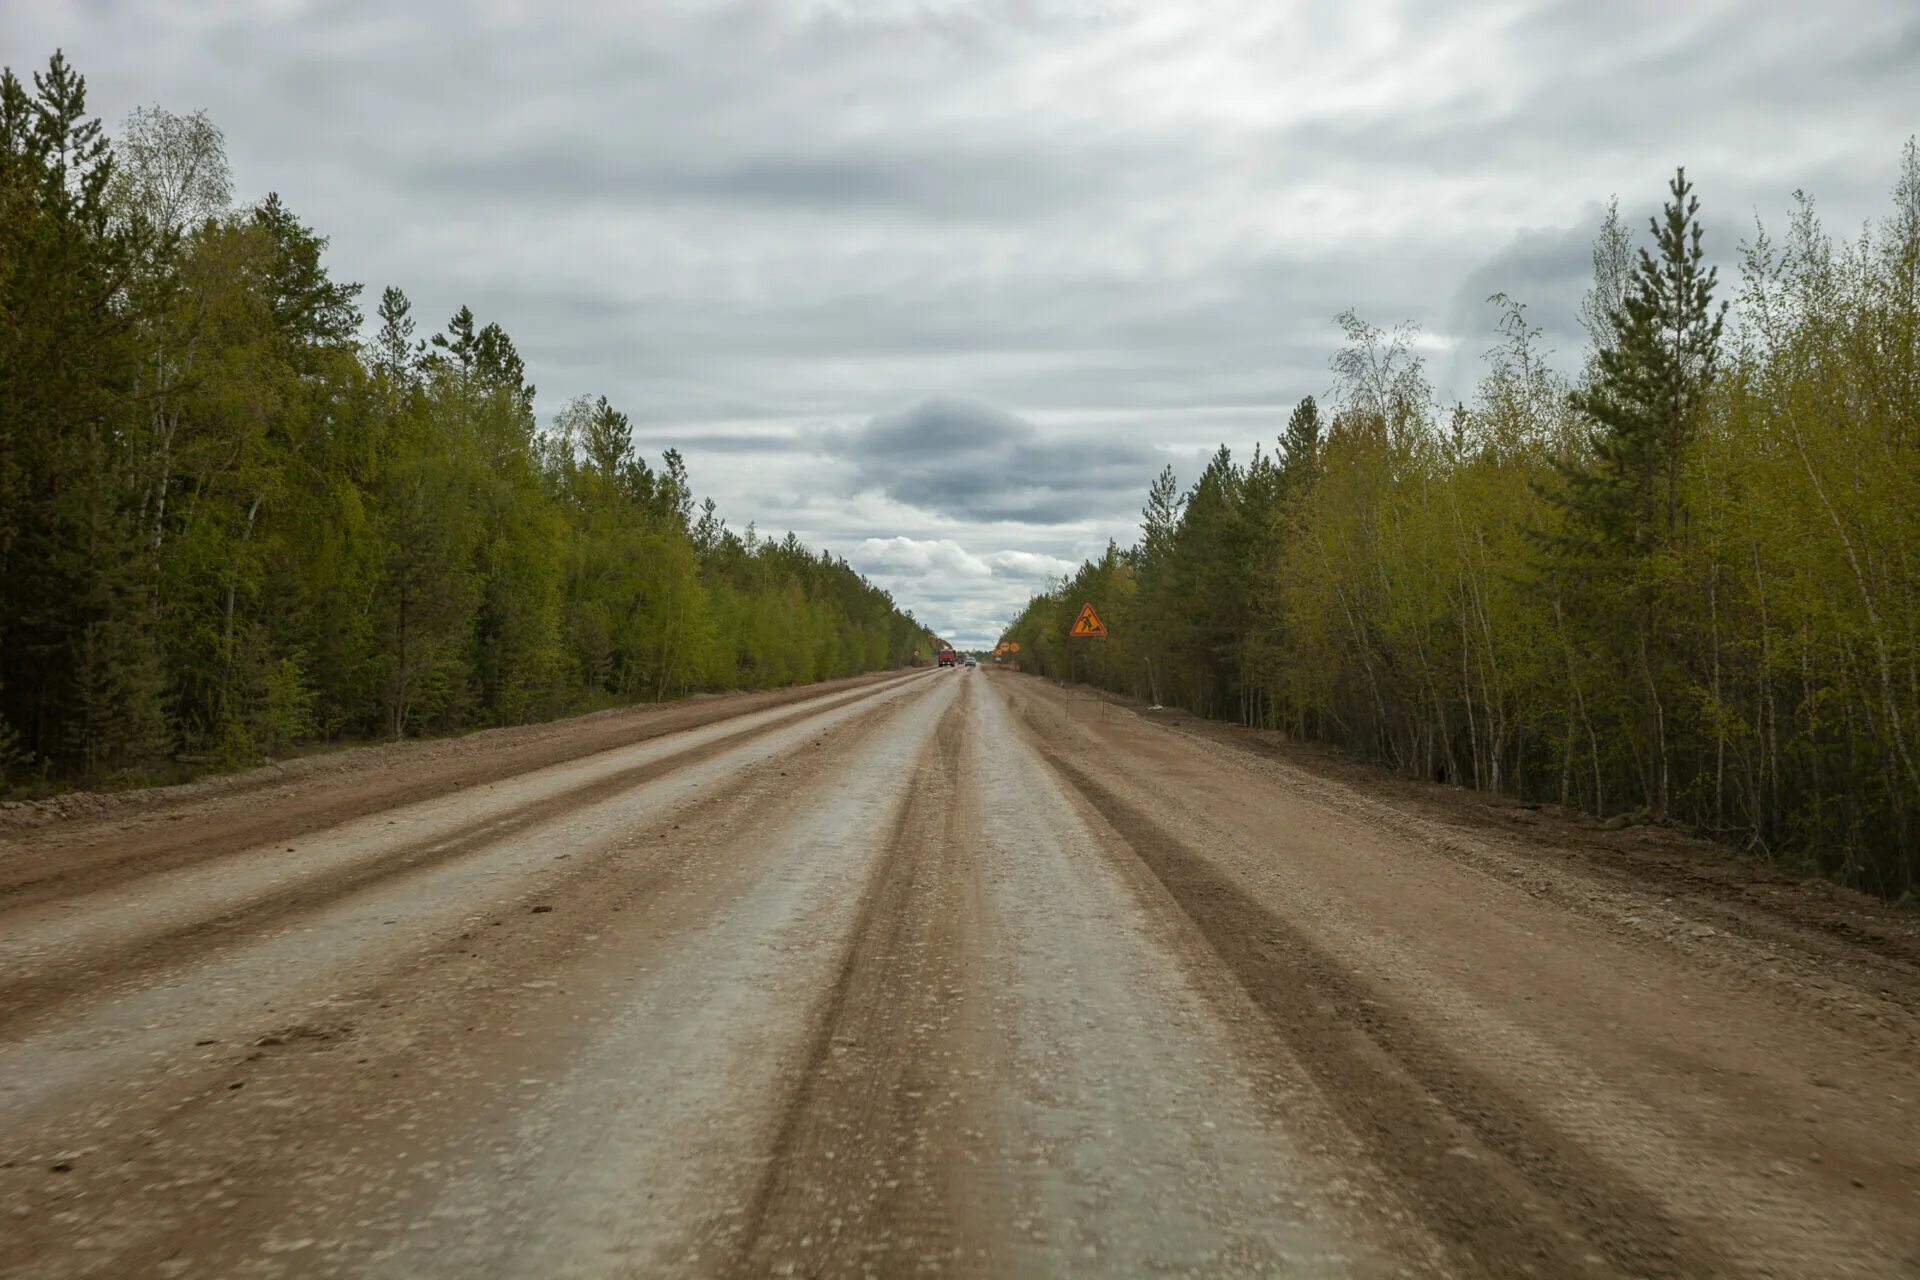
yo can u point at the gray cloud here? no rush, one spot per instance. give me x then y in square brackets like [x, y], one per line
[889, 180]
[970, 461]
[1548, 270]
[765, 228]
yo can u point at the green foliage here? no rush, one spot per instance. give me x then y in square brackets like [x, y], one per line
[226, 528]
[1652, 378]
[1688, 587]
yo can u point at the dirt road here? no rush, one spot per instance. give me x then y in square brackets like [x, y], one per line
[943, 973]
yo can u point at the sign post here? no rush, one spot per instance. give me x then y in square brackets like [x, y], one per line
[1086, 626]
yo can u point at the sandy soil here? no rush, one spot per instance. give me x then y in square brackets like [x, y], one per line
[945, 973]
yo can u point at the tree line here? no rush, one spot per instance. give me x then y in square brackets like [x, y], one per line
[229, 525]
[1681, 585]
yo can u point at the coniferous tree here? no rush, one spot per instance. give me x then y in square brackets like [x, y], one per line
[76, 635]
[310, 308]
[1645, 399]
[1300, 444]
[225, 526]
[608, 442]
[396, 353]
[1687, 591]
[1625, 503]
[1158, 519]
[458, 342]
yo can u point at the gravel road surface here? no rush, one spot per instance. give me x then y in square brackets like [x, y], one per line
[939, 973]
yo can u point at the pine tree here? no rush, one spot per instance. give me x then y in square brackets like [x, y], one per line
[708, 529]
[498, 366]
[71, 556]
[309, 306]
[395, 351]
[608, 442]
[1300, 445]
[1645, 399]
[1159, 518]
[673, 492]
[1624, 505]
[458, 342]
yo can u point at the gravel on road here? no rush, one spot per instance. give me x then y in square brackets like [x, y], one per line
[939, 973]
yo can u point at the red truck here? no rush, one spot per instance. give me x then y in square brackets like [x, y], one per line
[948, 657]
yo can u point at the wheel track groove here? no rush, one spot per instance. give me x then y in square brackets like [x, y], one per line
[858, 1172]
[40, 868]
[1538, 1206]
[27, 1000]
[480, 977]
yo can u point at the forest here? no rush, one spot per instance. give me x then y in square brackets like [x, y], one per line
[230, 525]
[1680, 585]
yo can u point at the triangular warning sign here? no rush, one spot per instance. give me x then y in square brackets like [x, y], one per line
[1088, 623]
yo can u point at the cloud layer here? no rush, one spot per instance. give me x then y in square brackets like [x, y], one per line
[973, 462]
[905, 274]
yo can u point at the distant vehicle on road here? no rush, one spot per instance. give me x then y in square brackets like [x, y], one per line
[972, 661]
[948, 657]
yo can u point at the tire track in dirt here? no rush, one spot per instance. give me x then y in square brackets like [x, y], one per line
[130, 958]
[1819, 925]
[867, 1165]
[645, 1155]
[129, 1037]
[1489, 1176]
[1774, 1122]
[359, 1095]
[1157, 1124]
[65, 859]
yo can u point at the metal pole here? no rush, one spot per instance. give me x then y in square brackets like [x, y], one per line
[1070, 688]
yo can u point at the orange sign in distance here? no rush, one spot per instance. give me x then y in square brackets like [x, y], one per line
[1088, 624]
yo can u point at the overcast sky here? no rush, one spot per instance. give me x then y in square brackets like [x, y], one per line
[939, 285]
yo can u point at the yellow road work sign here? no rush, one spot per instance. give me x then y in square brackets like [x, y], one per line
[1088, 624]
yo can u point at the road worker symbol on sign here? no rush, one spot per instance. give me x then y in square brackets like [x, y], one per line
[1088, 624]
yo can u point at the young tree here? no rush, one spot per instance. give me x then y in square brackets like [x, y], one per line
[1159, 518]
[1300, 444]
[171, 171]
[396, 353]
[457, 342]
[1623, 505]
[1612, 272]
[607, 441]
[1650, 380]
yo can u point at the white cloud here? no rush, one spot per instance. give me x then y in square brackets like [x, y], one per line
[1029, 565]
[1127, 224]
[902, 555]
[966, 596]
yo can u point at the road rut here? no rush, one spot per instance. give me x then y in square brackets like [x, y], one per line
[940, 974]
